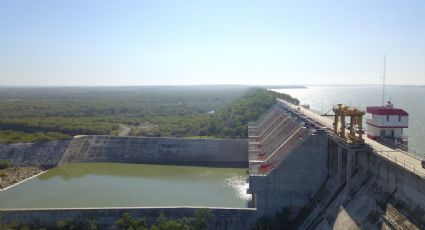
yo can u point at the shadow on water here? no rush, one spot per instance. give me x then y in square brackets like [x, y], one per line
[79, 170]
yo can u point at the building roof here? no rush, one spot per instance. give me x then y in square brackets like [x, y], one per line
[382, 110]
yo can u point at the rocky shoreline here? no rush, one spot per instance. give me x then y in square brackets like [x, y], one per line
[13, 175]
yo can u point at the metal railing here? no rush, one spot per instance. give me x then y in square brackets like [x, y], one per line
[402, 163]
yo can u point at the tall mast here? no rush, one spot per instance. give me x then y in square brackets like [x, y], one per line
[383, 80]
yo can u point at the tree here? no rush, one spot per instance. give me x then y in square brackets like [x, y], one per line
[127, 222]
[202, 217]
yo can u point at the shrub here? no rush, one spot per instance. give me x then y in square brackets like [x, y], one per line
[127, 222]
[281, 220]
[4, 164]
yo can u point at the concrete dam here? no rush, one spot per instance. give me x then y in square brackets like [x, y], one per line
[297, 162]
[294, 162]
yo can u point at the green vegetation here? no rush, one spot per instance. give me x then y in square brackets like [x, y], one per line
[70, 224]
[128, 222]
[10, 136]
[43, 114]
[231, 121]
[279, 221]
[4, 164]
[199, 221]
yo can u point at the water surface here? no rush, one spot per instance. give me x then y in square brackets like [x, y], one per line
[130, 185]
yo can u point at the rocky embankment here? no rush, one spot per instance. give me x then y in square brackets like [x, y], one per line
[43, 154]
[13, 175]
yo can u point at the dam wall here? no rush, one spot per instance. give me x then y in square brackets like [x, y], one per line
[43, 154]
[221, 219]
[363, 189]
[153, 150]
[288, 162]
[383, 196]
[326, 182]
[394, 176]
[294, 181]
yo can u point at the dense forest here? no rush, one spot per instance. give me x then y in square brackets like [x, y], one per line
[42, 114]
[231, 121]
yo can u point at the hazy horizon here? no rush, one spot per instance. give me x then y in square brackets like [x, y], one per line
[209, 85]
[137, 43]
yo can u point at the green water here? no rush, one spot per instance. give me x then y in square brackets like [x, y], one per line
[130, 185]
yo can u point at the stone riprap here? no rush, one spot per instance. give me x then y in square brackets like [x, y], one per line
[13, 175]
[43, 154]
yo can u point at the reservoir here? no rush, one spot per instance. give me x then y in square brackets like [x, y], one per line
[80, 185]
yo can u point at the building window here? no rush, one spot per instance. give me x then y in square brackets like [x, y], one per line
[399, 118]
[388, 117]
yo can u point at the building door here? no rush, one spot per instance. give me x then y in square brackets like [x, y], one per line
[392, 133]
[382, 133]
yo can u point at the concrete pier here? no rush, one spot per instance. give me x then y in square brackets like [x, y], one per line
[340, 174]
[350, 155]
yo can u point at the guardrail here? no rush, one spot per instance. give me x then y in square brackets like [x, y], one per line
[402, 163]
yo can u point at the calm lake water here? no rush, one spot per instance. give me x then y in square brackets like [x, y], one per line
[130, 185]
[411, 99]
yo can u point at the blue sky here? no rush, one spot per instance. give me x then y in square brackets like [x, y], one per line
[210, 42]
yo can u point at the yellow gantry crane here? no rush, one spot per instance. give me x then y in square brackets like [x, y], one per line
[355, 126]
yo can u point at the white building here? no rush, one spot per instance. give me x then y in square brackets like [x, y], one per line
[387, 122]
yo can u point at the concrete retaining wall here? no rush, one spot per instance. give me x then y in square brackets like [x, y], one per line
[221, 218]
[204, 152]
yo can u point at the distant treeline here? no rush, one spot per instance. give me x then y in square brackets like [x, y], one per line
[114, 101]
[231, 121]
[42, 114]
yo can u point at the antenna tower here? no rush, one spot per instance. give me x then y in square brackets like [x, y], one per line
[383, 80]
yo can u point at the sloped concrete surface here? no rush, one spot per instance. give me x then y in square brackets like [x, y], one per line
[371, 205]
[208, 152]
